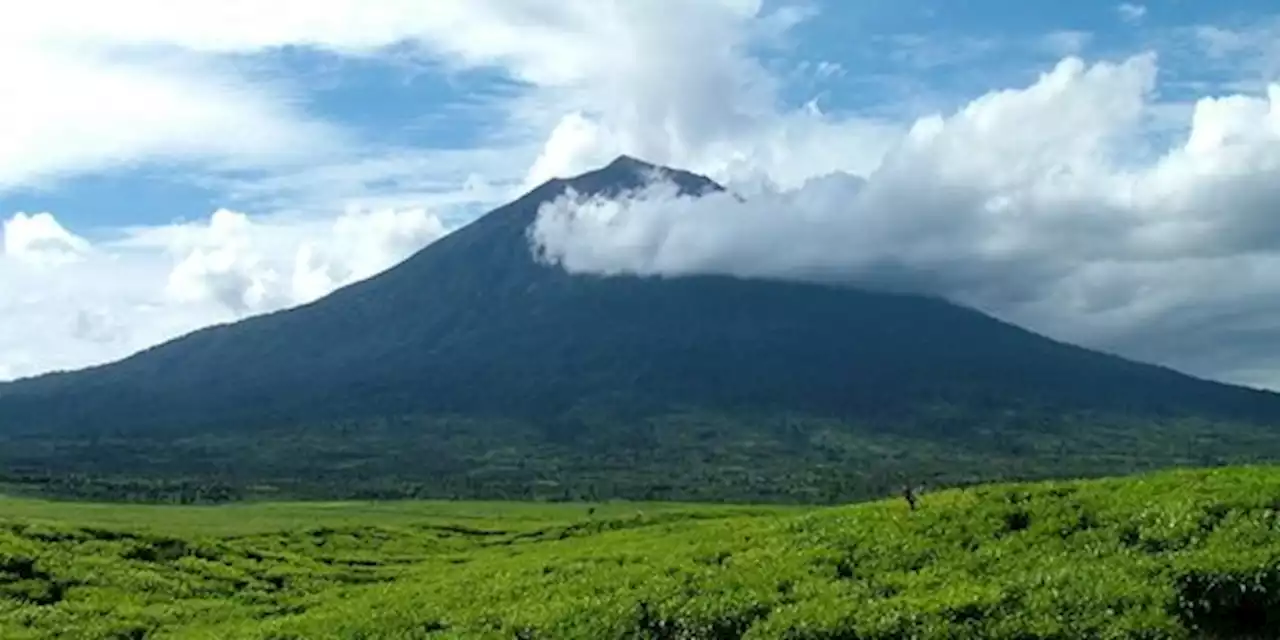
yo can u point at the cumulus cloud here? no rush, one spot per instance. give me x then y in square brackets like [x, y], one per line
[983, 181]
[40, 239]
[249, 266]
[1038, 204]
[222, 266]
[361, 244]
[122, 294]
[690, 93]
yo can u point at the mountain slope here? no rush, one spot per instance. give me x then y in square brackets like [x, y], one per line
[474, 326]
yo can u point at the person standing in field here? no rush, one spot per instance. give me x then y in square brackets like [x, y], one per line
[909, 494]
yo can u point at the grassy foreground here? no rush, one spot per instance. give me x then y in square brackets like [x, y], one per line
[1189, 554]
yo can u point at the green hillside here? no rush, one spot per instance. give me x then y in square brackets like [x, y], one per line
[1189, 554]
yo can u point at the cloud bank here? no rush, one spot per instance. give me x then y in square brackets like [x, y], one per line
[1041, 204]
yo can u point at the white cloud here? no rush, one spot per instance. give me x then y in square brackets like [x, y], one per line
[1026, 202]
[1131, 12]
[360, 245]
[688, 93]
[223, 266]
[249, 266]
[105, 87]
[41, 306]
[40, 239]
[125, 294]
[89, 110]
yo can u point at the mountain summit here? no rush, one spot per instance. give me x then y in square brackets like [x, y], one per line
[471, 368]
[624, 173]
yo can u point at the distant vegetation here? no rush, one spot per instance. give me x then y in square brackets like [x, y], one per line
[694, 456]
[1191, 554]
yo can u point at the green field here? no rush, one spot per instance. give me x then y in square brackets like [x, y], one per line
[1188, 554]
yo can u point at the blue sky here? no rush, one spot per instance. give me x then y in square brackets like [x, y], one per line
[897, 60]
[900, 60]
[175, 164]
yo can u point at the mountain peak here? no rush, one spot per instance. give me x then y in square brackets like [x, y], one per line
[628, 173]
[625, 162]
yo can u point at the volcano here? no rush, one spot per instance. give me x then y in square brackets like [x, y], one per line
[473, 368]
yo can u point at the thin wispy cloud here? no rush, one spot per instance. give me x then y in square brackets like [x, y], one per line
[1131, 12]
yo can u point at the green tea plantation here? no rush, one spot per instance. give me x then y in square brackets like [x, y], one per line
[1186, 554]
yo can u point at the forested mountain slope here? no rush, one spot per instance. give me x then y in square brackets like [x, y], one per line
[472, 345]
